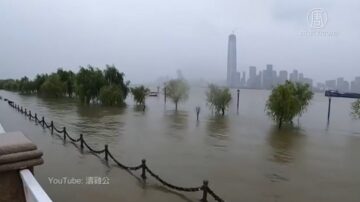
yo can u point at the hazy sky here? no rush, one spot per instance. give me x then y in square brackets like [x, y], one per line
[148, 39]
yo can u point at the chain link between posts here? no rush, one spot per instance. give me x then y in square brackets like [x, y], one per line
[145, 169]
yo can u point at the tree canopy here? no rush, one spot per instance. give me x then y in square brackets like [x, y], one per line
[177, 90]
[287, 101]
[139, 94]
[89, 84]
[52, 87]
[356, 109]
[218, 98]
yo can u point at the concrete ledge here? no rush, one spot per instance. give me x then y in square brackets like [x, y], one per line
[15, 142]
[20, 156]
[21, 165]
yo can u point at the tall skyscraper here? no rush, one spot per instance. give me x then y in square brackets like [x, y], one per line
[232, 75]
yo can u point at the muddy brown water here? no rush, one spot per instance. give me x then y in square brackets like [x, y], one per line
[244, 156]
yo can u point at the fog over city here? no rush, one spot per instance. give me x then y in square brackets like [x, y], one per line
[150, 39]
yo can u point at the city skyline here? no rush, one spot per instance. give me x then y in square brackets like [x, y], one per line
[269, 78]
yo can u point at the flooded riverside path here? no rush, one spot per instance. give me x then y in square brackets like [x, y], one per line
[244, 156]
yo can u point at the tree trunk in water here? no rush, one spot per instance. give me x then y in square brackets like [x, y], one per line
[280, 123]
[176, 106]
[223, 111]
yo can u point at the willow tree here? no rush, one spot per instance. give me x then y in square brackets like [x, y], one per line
[139, 94]
[218, 98]
[177, 90]
[115, 90]
[68, 78]
[52, 87]
[287, 101]
[89, 81]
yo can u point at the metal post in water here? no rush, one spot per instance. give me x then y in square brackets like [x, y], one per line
[205, 190]
[197, 113]
[106, 152]
[52, 127]
[81, 141]
[143, 169]
[329, 109]
[64, 131]
[237, 102]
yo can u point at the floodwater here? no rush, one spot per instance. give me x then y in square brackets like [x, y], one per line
[243, 155]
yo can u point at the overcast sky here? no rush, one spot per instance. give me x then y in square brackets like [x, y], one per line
[149, 39]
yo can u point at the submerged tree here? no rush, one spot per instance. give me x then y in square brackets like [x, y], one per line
[115, 90]
[140, 94]
[39, 80]
[111, 95]
[26, 86]
[68, 78]
[356, 109]
[287, 101]
[89, 81]
[218, 98]
[177, 90]
[52, 87]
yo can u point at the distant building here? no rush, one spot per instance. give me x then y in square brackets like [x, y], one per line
[233, 77]
[330, 84]
[308, 81]
[254, 80]
[268, 75]
[342, 85]
[283, 76]
[243, 79]
[294, 76]
[320, 87]
[355, 85]
[301, 78]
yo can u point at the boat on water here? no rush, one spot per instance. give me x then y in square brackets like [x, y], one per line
[154, 94]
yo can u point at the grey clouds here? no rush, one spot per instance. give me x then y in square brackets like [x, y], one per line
[149, 39]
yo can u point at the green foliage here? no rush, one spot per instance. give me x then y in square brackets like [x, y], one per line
[356, 109]
[218, 99]
[68, 78]
[39, 80]
[111, 95]
[25, 85]
[10, 84]
[177, 90]
[114, 77]
[89, 81]
[52, 87]
[287, 101]
[140, 94]
[89, 84]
